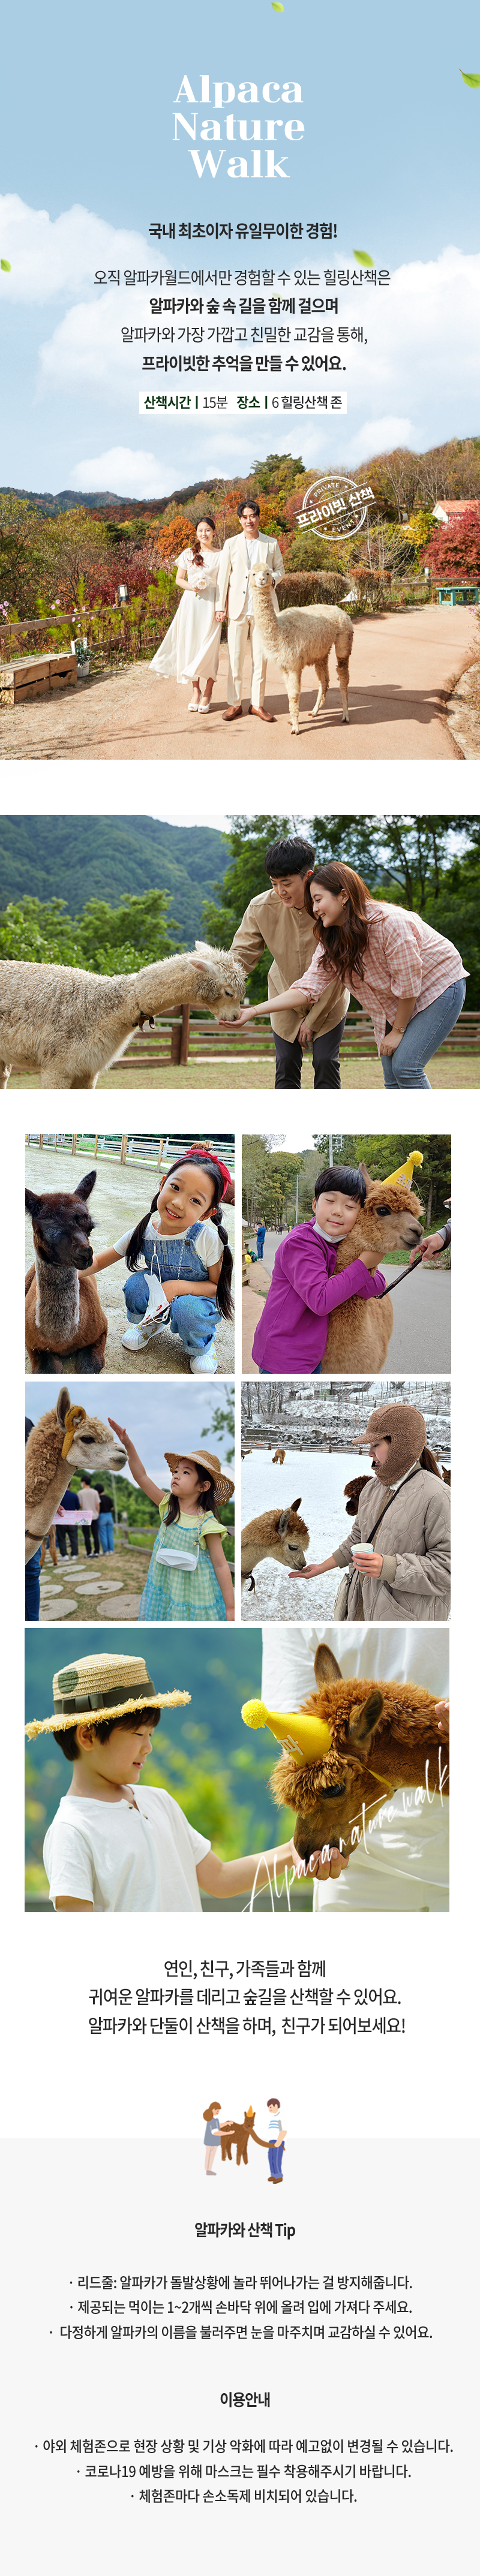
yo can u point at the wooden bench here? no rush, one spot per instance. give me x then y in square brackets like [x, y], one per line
[180, 1037]
[38, 678]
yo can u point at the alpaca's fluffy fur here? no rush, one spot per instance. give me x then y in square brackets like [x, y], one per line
[359, 1332]
[277, 1534]
[383, 1735]
[299, 638]
[69, 1026]
[93, 1450]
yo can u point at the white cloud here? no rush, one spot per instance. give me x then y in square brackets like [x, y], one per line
[375, 437]
[120, 469]
[60, 257]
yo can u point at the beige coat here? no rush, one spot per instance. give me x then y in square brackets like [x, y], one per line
[414, 1540]
[290, 936]
[234, 571]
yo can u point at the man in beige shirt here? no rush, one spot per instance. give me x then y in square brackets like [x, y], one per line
[278, 920]
[239, 554]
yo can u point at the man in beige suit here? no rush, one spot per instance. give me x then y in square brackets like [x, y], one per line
[238, 556]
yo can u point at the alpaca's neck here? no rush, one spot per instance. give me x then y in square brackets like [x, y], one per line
[354, 1249]
[265, 613]
[57, 1310]
[44, 1490]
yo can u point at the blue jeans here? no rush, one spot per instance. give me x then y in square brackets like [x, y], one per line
[105, 1532]
[403, 1071]
[193, 1318]
[275, 2162]
[32, 1586]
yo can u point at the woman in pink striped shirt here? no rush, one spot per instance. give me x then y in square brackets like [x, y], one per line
[410, 979]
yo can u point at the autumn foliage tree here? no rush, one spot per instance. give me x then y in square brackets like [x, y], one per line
[454, 552]
[172, 539]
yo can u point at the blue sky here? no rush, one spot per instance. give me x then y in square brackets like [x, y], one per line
[390, 152]
[156, 1417]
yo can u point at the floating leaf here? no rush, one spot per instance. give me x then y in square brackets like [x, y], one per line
[277, 5]
[364, 259]
[5, 263]
[471, 79]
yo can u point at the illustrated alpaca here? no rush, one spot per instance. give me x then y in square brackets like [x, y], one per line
[65, 1442]
[301, 637]
[277, 1534]
[68, 1026]
[359, 1332]
[350, 1746]
[239, 2132]
[63, 1314]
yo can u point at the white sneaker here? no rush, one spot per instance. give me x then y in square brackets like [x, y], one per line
[137, 1335]
[206, 1362]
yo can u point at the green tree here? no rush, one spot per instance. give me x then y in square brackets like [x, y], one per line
[384, 1154]
[108, 941]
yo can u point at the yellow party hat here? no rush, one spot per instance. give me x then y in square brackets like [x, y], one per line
[306, 1737]
[405, 1171]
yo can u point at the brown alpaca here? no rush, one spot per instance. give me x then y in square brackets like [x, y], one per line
[56, 1449]
[384, 1736]
[279, 1456]
[239, 2132]
[277, 1534]
[62, 1308]
[359, 1332]
[353, 1491]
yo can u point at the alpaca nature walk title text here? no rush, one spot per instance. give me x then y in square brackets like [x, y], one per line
[263, 129]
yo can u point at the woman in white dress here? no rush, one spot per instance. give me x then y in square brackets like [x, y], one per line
[190, 650]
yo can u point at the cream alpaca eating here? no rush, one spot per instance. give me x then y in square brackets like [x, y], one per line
[70, 1026]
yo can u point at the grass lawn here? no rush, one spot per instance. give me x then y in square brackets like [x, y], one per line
[445, 1073]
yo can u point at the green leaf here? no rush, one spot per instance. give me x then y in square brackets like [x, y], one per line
[471, 79]
[277, 5]
[5, 263]
[364, 259]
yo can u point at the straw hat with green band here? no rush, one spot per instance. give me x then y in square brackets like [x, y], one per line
[103, 1686]
[210, 1466]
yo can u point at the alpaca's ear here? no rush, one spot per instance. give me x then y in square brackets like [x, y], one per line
[367, 1177]
[364, 1720]
[32, 1203]
[326, 1667]
[63, 1401]
[295, 1507]
[283, 1521]
[85, 1187]
[202, 951]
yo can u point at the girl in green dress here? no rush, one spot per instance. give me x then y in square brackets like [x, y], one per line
[188, 1576]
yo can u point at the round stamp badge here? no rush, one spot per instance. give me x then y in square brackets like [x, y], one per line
[336, 506]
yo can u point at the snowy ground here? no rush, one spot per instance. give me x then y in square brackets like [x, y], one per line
[320, 1482]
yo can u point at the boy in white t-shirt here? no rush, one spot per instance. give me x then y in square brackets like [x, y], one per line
[114, 1847]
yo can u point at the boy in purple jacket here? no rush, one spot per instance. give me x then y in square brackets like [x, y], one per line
[292, 1333]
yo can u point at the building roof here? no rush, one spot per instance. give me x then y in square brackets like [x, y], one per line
[445, 510]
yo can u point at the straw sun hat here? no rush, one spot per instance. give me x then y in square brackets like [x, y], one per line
[99, 1686]
[211, 1466]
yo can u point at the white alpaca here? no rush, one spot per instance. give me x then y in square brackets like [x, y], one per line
[302, 637]
[69, 1026]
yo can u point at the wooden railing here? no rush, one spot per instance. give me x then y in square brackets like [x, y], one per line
[183, 1038]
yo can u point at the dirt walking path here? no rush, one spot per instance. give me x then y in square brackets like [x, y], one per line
[401, 674]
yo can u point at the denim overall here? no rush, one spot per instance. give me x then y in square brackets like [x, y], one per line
[193, 1318]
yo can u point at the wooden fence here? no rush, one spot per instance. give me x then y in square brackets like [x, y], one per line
[184, 1038]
